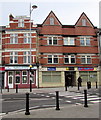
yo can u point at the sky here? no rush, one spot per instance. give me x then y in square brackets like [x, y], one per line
[67, 11]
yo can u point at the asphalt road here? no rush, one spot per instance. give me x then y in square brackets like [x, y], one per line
[17, 102]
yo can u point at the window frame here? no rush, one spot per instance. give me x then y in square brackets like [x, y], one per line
[13, 57]
[85, 43]
[69, 57]
[52, 39]
[26, 55]
[85, 58]
[53, 58]
[14, 38]
[67, 40]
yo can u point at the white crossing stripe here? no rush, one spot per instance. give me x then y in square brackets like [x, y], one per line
[68, 101]
[97, 101]
[90, 99]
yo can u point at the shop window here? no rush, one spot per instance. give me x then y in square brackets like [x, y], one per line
[51, 77]
[17, 76]
[24, 77]
[32, 75]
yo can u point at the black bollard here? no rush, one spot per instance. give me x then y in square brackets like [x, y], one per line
[57, 100]
[16, 88]
[78, 86]
[1, 89]
[96, 84]
[30, 86]
[27, 104]
[8, 88]
[65, 88]
[85, 98]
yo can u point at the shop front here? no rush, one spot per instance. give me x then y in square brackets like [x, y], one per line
[20, 76]
[2, 71]
[88, 74]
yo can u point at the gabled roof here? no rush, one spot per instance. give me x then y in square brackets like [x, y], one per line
[52, 13]
[83, 15]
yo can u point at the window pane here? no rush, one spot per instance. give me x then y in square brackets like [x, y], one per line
[72, 60]
[66, 60]
[88, 60]
[55, 60]
[82, 42]
[24, 79]
[49, 60]
[83, 60]
[16, 59]
[24, 59]
[51, 21]
[72, 41]
[11, 59]
[88, 42]
[54, 40]
[65, 41]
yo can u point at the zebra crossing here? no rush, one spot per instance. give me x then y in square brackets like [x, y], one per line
[78, 98]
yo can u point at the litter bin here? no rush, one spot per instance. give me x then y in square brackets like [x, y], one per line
[89, 85]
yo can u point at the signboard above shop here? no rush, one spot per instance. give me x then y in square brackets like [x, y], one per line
[85, 69]
[51, 68]
[19, 68]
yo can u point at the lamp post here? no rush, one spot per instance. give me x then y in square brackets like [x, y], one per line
[31, 9]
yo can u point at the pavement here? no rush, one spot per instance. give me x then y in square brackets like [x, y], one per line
[66, 111]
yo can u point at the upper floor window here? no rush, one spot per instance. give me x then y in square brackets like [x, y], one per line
[51, 21]
[14, 57]
[69, 41]
[85, 41]
[69, 59]
[86, 59]
[26, 58]
[52, 40]
[53, 59]
[21, 23]
[13, 38]
[83, 22]
[27, 38]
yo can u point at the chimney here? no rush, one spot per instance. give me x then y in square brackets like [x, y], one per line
[11, 17]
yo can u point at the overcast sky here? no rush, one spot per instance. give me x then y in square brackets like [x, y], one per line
[67, 11]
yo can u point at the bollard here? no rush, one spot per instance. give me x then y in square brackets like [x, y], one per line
[1, 89]
[85, 98]
[65, 88]
[30, 86]
[16, 88]
[78, 86]
[57, 100]
[96, 84]
[27, 104]
[8, 88]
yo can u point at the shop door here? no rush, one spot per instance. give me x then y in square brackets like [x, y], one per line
[10, 79]
[69, 78]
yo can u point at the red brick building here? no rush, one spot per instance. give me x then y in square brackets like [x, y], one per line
[67, 52]
[60, 53]
[16, 52]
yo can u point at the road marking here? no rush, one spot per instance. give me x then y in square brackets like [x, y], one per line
[97, 101]
[2, 114]
[68, 101]
[90, 99]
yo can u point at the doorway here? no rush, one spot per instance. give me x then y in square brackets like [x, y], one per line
[70, 78]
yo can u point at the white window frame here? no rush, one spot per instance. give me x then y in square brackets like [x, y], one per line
[21, 22]
[52, 40]
[53, 59]
[26, 57]
[13, 38]
[14, 57]
[85, 41]
[27, 37]
[86, 57]
[69, 58]
[67, 40]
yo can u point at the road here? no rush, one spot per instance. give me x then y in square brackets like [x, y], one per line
[17, 102]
